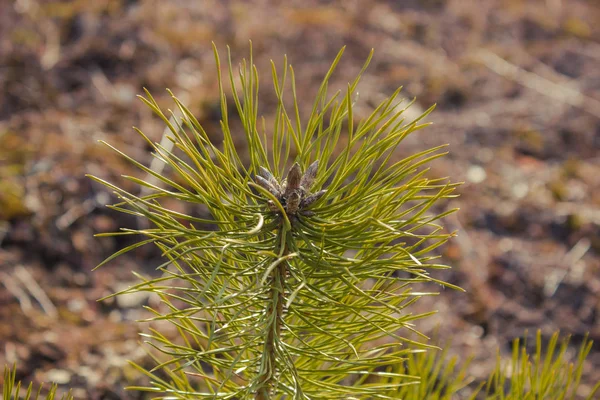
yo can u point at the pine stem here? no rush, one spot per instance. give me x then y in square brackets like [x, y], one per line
[274, 317]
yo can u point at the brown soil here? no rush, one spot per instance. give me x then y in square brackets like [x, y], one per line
[517, 85]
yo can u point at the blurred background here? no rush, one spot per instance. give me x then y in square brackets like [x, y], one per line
[517, 87]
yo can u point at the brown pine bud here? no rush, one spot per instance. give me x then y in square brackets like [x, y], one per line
[308, 200]
[292, 203]
[267, 185]
[309, 176]
[265, 173]
[293, 179]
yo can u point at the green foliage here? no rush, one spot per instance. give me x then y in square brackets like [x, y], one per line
[544, 375]
[547, 374]
[11, 389]
[277, 292]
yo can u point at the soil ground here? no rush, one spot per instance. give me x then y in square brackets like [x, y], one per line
[517, 87]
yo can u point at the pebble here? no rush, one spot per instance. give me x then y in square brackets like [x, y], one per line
[476, 174]
[59, 376]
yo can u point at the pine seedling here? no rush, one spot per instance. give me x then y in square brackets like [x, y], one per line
[549, 373]
[11, 389]
[295, 281]
[545, 374]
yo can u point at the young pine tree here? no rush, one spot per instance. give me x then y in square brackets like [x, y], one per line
[296, 284]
